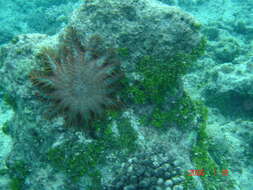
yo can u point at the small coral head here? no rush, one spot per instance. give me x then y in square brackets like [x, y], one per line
[82, 82]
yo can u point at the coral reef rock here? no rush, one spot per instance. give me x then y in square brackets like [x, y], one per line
[144, 27]
[149, 171]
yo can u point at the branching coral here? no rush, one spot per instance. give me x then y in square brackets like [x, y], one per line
[81, 81]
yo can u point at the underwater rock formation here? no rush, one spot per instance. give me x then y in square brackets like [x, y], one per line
[152, 28]
[230, 89]
[142, 27]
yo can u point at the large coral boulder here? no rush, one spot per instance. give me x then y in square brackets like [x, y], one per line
[143, 27]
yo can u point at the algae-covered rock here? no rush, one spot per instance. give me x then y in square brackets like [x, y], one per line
[41, 145]
[143, 27]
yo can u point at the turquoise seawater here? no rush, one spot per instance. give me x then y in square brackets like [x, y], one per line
[126, 95]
